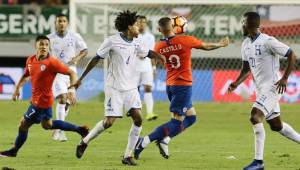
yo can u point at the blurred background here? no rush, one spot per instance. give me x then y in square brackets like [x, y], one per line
[22, 20]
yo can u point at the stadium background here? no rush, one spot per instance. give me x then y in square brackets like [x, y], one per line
[212, 71]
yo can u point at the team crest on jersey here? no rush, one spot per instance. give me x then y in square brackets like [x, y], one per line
[43, 67]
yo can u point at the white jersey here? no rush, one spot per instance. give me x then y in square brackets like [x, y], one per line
[65, 48]
[122, 56]
[148, 41]
[262, 53]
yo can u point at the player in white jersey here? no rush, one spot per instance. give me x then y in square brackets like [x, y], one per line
[122, 52]
[145, 68]
[70, 48]
[260, 57]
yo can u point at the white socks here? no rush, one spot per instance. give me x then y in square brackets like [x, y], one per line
[260, 135]
[60, 111]
[133, 137]
[148, 99]
[145, 142]
[289, 133]
[94, 132]
[166, 140]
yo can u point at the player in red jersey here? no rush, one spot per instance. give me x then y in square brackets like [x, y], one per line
[42, 69]
[177, 52]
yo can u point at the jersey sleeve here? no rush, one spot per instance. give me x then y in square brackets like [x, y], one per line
[103, 50]
[142, 51]
[278, 47]
[152, 42]
[80, 43]
[193, 42]
[244, 58]
[58, 66]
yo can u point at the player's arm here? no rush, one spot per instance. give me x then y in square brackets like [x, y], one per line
[20, 84]
[80, 56]
[211, 45]
[156, 56]
[245, 72]
[93, 62]
[281, 84]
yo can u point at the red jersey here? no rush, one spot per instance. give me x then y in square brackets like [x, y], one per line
[42, 74]
[177, 51]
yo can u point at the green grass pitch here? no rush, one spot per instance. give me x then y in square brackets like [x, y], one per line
[222, 139]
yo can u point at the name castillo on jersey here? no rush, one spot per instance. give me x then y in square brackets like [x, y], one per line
[171, 48]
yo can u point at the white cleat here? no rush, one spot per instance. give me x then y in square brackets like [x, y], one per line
[163, 149]
[62, 136]
[56, 135]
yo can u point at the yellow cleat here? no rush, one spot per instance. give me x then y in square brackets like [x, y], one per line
[151, 116]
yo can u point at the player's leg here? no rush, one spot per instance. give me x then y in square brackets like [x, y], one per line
[30, 117]
[147, 81]
[60, 90]
[132, 104]
[281, 127]
[113, 105]
[266, 102]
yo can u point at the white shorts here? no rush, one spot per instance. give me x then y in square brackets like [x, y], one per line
[146, 78]
[267, 100]
[60, 85]
[117, 102]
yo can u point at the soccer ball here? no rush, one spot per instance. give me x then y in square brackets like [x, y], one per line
[179, 24]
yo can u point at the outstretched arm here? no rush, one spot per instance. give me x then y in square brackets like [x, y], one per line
[93, 62]
[21, 82]
[80, 56]
[211, 46]
[245, 72]
[281, 84]
[156, 56]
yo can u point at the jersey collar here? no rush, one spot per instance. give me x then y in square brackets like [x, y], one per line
[167, 38]
[254, 38]
[124, 38]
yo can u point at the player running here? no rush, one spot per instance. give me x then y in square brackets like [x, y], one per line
[260, 57]
[122, 52]
[42, 69]
[145, 68]
[64, 44]
[177, 50]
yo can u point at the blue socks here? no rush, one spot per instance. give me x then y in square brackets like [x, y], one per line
[59, 124]
[171, 128]
[189, 121]
[20, 140]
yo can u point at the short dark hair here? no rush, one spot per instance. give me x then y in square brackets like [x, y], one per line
[141, 17]
[41, 37]
[61, 15]
[125, 19]
[162, 22]
[253, 18]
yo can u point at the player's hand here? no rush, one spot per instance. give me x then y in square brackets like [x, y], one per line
[232, 87]
[281, 85]
[16, 95]
[72, 98]
[75, 85]
[224, 42]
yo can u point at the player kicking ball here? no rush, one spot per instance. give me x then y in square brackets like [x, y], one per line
[177, 51]
[122, 52]
[42, 69]
[260, 57]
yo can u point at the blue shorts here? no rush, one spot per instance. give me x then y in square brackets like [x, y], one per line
[36, 115]
[180, 98]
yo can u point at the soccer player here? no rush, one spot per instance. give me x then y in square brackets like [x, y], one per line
[42, 69]
[177, 51]
[64, 44]
[260, 57]
[145, 68]
[122, 52]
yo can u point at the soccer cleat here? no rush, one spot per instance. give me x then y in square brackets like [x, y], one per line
[151, 116]
[8, 153]
[255, 165]
[163, 149]
[83, 131]
[80, 149]
[128, 161]
[56, 135]
[138, 148]
[62, 136]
